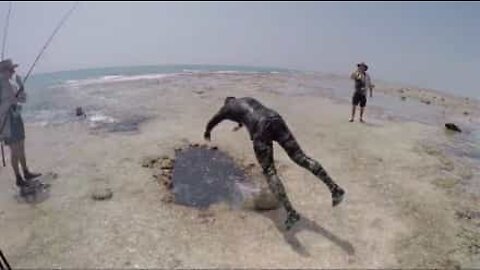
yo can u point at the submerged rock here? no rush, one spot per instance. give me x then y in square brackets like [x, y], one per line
[453, 127]
[250, 166]
[446, 182]
[166, 173]
[166, 164]
[149, 162]
[168, 198]
[101, 194]
[157, 175]
[79, 112]
[426, 101]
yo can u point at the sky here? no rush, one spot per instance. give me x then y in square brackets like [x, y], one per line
[427, 44]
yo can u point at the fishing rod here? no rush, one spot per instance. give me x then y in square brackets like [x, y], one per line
[3, 155]
[3, 262]
[62, 22]
[5, 30]
[5, 34]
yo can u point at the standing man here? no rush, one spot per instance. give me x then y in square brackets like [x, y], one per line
[12, 129]
[362, 83]
[265, 126]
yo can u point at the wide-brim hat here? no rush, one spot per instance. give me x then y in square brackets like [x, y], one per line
[7, 64]
[362, 64]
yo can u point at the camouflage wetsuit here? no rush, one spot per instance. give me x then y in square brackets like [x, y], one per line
[265, 126]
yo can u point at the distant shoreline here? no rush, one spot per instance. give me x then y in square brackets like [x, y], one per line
[107, 70]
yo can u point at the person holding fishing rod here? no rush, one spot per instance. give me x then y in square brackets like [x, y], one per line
[12, 93]
[12, 129]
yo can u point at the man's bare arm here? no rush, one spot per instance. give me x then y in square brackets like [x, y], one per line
[370, 85]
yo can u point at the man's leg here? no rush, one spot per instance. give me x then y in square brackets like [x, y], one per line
[23, 161]
[264, 154]
[361, 113]
[15, 153]
[363, 103]
[355, 102]
[294, 151]
[353, 113]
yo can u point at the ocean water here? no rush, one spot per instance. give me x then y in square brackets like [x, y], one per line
[53, 97]
[49, 79]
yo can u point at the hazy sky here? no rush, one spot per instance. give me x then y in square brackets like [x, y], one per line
[430, 44]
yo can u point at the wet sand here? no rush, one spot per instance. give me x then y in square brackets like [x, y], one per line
[411, 202]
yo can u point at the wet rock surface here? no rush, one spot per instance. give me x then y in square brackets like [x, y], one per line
[202, 175]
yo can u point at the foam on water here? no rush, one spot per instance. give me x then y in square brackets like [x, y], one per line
[191, 71]
[100, 118]
[117, 79]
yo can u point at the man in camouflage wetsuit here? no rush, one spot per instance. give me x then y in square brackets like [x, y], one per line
[265, 126]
